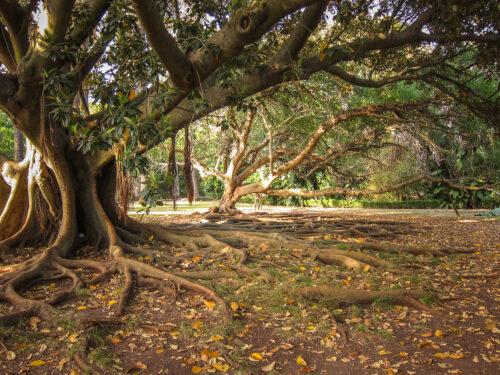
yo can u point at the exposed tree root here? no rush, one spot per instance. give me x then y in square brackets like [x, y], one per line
[361, 297]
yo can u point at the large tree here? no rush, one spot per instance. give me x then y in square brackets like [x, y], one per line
[202, 56]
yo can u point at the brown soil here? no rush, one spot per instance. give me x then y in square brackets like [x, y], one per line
[180, 332]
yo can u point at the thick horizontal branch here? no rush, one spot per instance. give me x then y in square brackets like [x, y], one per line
[285, 193]
[247, 25]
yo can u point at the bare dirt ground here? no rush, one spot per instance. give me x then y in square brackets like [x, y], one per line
[274, 332]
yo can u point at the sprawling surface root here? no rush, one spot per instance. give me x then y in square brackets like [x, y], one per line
[241, 241]
[347, 296]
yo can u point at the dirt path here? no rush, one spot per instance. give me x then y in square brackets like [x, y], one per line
[276, 333]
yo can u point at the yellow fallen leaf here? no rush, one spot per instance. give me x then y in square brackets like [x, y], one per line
[209, 304]
[220, 366]
[11, 355]
[209, 353]
[216, 338]
[442, 355]
[197, 324]
[301, 361]
[302, 268]
[456, 356]
[116, 340]
[424, 344]
[384, 352]
[74, 372]
[37, 363]
[196, 369]
[159, 351]
[257, 356]
[438, 333]
[73, 338]
[428, 334]
[174, 333]
[81, 308]
[403, 354]
[151, 238]
[367, 268]
[234, 306]
[112, 302]
[196, 258]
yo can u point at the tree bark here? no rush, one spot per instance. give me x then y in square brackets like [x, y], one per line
[18, 145]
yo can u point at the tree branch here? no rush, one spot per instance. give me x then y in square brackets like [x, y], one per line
[307, 24]
[284, 193]
[59, 17]
[86, 25]
[165, 46]
[7, 54]
[16, 19]
[247, 25]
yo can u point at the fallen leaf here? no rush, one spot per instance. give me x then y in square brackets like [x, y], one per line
[209, 304]
[209, 353]
[137, 366]
[220, 366]
[151, 238]
[301, 361]
[81, 308]
[116, 340]
[384, 352]
[256, 357]
[438, 333]
[73, 338]
[159, 351]
[11, 355]
[112, 302]
[442, 355]
[37, 363]
[269, 367]
[367, 268]
[63, 363]
[196, 369]
[234, 306]
[456, 356]
[331, 359]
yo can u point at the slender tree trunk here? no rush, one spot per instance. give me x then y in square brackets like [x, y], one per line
[18, 145]
[196, 189]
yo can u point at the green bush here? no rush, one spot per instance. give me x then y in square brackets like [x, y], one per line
[342, 203]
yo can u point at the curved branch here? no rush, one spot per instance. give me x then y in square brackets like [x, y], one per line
[16, 19]
[165, 46]
[7, 54]
[247, 25]
[306, 25]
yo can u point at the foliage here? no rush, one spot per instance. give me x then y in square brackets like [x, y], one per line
[6, 136]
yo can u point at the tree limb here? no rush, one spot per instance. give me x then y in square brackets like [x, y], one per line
[307, 24]
[16, 19]
[7, 54]
[165, 46]
[59, 17]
